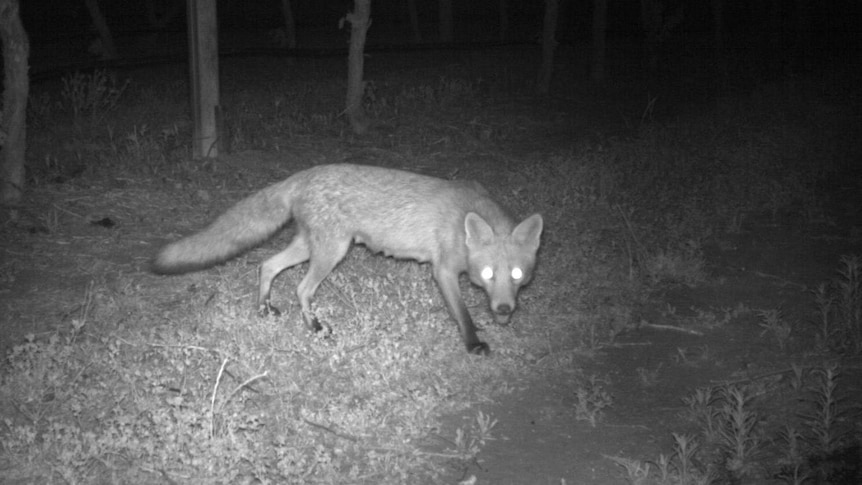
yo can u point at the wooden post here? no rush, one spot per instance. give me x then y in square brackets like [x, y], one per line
[447, 29]
[13, 125]
[549, 44]
[503, 6]
[203, 63]
[360, 20]
[108, 50]
[413, 13]
[600, 25]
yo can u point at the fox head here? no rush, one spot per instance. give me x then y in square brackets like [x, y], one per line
[501, 263]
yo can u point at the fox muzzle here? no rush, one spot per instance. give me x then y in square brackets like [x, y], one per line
[502, 313]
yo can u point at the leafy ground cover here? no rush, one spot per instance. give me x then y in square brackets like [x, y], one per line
[695, 317]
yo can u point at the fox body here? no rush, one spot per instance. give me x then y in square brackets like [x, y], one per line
[454, 225]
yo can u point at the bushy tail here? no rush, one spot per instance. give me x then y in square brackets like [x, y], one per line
[245, 225]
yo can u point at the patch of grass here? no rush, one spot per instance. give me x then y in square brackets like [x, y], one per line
[809, 442]
[679, 468]
[91, 97]
[636, 471]
[218, 393]
[684, 266]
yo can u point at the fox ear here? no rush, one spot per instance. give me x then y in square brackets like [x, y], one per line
[528, 232]
[477, 230]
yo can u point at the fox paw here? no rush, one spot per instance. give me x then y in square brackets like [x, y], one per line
[266, 310]
[479, 348]
[311, 322]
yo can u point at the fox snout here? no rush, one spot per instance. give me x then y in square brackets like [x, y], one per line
[502, 313]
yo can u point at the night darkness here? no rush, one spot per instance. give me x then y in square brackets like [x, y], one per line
[61, 32]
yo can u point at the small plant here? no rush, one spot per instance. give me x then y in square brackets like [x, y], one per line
[831, 446]
[797, 381]
[484, 424]
[647, 377]
[91, 95]
[692, 356]
[468, 444]
[590, 399]
[711, 319]
[826, 433]
[637, 472]
[685, 467]
[825, 301]
[774, 324]
[793, 462]
[50, 221]
[839, 305]
[850, 301]
[679, 468]
[41, 108]
[701, 409]
[739, 437]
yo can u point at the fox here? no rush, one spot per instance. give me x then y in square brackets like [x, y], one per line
[454, 225]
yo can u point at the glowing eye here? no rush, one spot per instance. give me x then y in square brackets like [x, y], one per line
[487, 273]
[517, 273]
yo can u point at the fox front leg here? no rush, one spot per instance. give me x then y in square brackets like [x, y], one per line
[447, 281]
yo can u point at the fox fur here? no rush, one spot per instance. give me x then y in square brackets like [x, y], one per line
[454, 225]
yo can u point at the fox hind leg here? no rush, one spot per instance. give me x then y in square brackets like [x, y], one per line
[325, 255]
[296, 252]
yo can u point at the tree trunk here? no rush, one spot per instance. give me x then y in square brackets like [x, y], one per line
[658, 25]
[718, 35]
[549, 44]
[804, 38]
[202, 19]
[651, 12]
[504, 20]
[16, 52]
[360, 21]
[774, 25]
[413, 13]
[446, 23]
[289, 24]
[109, 50]
[600, 27]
